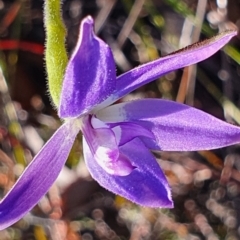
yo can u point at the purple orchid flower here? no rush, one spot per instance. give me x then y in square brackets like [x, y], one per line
[117, 139]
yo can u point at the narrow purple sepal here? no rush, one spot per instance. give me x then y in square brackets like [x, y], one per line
[145, 185]
[90, 76]
[176, 127]
[38, 176]
[148, 72]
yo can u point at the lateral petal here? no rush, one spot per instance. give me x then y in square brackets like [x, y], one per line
[176, 127]
[90, 76]
[148, 72]
[38, 176]
[145, 185]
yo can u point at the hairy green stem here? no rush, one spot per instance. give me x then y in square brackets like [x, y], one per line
[55, 53]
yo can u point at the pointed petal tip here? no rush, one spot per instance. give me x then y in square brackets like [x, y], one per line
[168, 204]
[228, 32]
[88, 19]
[203, 48]
[87, 23]
[224, 36]
[164, 202]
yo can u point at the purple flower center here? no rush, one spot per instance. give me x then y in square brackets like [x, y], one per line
[103, 144]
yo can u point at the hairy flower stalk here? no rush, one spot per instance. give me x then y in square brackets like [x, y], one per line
[118, 139]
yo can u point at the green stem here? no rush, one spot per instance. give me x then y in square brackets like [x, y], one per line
[55, 53]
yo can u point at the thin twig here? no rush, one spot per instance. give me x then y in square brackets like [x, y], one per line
[187, 86]
[103, 14]
[129, 23]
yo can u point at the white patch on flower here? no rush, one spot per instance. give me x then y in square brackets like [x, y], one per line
[96, 123]
[118, 133]
[112, 162]
[105, 103]
[114, 113]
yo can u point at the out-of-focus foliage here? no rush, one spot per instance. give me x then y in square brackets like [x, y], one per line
[205, 185]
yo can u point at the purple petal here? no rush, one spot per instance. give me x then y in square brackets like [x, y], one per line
[38, 176]
[145, 185]
[195, 53]
[176, 127]
[104, 148]
[90, 76]
[125, 132]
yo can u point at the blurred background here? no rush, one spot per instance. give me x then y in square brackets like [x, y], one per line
[205, 185]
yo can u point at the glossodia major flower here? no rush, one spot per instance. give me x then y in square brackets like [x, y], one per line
[118, 139]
